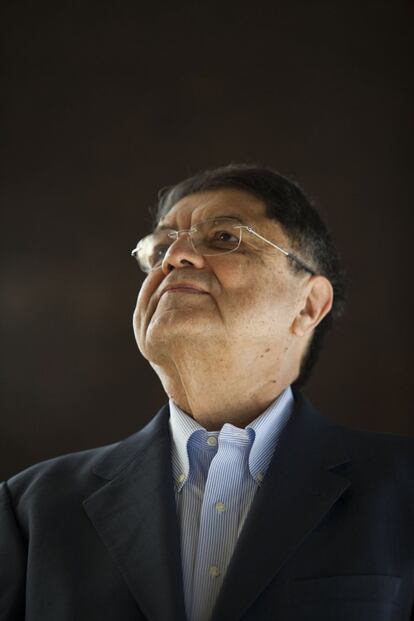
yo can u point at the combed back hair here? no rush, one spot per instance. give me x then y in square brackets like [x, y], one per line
[286, 203]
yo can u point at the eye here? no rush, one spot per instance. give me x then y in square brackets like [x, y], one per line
[158, 254]
[225, 236]
[220, 240]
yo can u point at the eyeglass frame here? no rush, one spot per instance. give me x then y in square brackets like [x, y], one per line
[247, 227]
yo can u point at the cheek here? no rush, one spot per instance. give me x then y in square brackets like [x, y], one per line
[143, 305]
[261, 298]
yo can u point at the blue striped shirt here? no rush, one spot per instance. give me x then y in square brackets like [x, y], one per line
[216, 475]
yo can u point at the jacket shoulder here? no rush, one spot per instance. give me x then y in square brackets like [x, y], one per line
[376, 447]
[56, 471]
[361, 446]
[78, 474]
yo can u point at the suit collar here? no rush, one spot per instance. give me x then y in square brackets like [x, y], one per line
[134, 513]
[118, 457]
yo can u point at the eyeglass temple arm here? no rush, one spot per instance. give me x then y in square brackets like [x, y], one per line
[285, 252]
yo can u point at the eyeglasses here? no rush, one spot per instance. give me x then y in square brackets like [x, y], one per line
[209, 238]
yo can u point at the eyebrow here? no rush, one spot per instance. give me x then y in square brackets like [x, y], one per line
[233, 216]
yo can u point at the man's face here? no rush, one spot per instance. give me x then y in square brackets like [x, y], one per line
[250, 297]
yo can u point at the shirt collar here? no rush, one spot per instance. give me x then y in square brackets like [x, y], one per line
[266, 429]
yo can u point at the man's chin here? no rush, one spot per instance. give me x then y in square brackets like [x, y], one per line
[175, 327]
[181, 318]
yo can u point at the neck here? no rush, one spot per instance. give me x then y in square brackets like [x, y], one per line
[214, 390]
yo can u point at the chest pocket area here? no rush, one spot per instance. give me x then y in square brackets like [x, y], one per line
[342, 598]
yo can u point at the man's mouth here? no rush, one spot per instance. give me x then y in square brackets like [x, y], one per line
[184, 288]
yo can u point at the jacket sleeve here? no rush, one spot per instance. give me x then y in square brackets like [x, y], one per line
[12, 562]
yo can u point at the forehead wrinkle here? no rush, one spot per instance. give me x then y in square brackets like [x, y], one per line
[190, 198]
[194, 206]
[233, 216]
[202, 217]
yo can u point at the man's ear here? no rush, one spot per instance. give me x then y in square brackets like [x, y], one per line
[317, 304]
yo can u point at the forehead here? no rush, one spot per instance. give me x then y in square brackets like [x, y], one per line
[213, 203]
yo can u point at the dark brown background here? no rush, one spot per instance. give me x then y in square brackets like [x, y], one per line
[103, 103]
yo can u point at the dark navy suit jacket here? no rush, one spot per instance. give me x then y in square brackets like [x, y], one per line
[93, 536]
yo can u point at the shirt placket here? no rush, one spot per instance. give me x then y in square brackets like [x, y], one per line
[219, 522]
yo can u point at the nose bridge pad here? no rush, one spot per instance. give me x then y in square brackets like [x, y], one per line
[176, 238]
[188, 233]
[189, 238]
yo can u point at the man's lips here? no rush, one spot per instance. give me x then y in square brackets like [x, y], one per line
[183, 288]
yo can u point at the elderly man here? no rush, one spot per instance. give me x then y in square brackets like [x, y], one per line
[238, 500]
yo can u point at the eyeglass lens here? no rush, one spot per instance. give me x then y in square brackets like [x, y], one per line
[208, 238]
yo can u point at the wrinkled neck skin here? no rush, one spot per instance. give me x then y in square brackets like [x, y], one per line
[221, 386]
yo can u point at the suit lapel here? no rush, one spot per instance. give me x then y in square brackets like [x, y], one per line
[135, 516]
[299, 489]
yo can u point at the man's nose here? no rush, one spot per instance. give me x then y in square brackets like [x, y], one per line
[181, 253]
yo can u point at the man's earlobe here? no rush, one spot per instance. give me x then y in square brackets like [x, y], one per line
[317, 304]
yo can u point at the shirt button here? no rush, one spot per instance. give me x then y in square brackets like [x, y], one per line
[181, 478]
[220, 506]
[260, 476]
[214, 571]
[212, 441]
